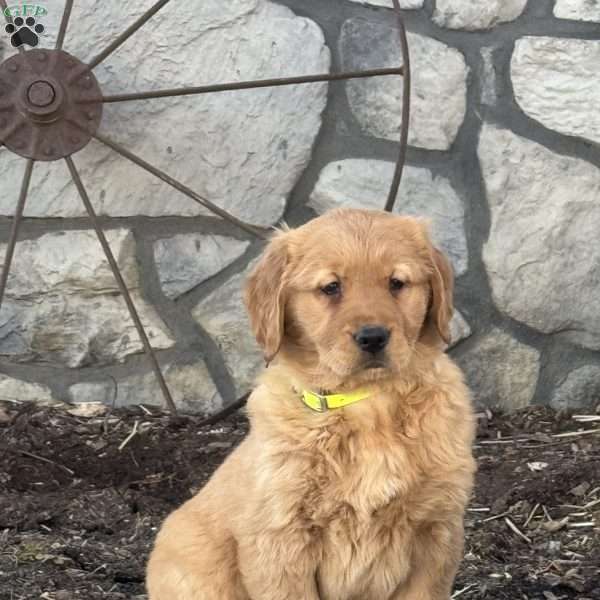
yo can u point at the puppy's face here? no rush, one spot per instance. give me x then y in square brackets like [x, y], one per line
[349, 295]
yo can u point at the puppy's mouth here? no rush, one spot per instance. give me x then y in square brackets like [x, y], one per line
[366, 367]
[374, 366]
[371, 371]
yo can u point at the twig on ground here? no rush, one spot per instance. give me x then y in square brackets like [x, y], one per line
[461, 592]
[502, 441]
[9, 399]
[41, 458]
[512, 526]
[130, 436]
[494, 517]
[531, 515]
[563, 437]
[103, 566]
[575, 433]
[145, 410]
[582, 524]
[586, 418]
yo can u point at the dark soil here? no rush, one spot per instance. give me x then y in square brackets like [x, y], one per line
[78, 515]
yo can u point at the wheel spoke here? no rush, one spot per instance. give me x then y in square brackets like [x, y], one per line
[247, 227]
[121, 283]
[127, 33]
[9, 20]
[16, 224]
[391, 200]
[247, 85]
[64, 24]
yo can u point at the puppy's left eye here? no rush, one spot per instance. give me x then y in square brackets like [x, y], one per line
[396, 284]
[331, 289]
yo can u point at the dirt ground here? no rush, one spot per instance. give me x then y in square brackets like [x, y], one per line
[81, 499]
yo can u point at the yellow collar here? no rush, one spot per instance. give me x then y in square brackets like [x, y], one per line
[324, 402]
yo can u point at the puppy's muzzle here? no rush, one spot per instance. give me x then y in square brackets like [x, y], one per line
[372, 338]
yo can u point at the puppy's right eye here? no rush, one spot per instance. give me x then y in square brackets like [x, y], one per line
[332, 289]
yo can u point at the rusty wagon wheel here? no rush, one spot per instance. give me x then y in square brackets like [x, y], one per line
[51, 107]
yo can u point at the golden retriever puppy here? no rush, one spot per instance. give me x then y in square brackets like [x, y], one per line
[353, 480]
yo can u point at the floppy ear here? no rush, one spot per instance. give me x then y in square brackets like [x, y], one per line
[441, 304]
[264, 296]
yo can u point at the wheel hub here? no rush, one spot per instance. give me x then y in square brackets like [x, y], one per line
[47, 104]
[41, 93]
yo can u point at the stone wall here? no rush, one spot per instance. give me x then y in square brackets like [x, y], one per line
[503, 158]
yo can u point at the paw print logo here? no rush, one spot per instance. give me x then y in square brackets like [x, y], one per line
[24, 32]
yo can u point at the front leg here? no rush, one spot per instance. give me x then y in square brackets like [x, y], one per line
[278, 566]
[438, 552]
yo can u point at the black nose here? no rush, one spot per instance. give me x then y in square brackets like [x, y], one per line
[371, 338]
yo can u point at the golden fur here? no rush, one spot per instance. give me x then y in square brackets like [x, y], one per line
[360, 503]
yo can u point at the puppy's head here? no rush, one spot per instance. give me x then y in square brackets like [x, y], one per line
[350, 295]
